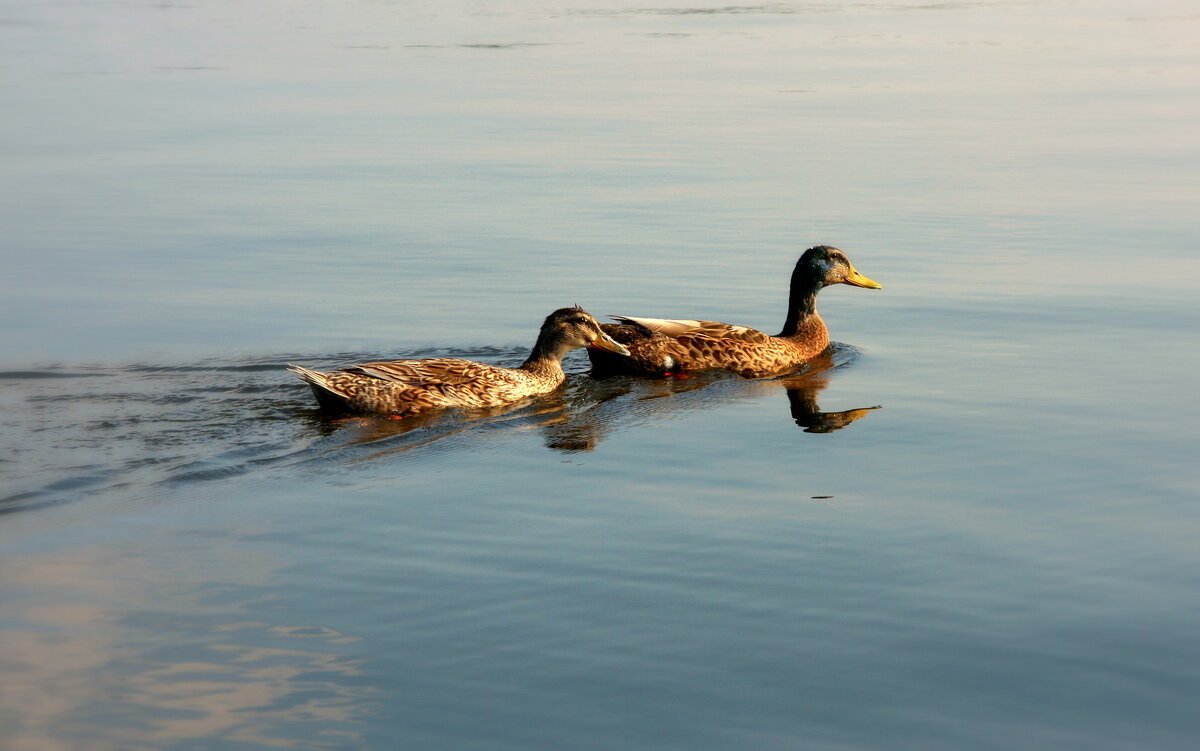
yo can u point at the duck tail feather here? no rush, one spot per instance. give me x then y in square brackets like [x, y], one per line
[319, 381]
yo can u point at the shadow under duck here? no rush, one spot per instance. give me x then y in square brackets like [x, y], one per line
[661, 346]
[408, 387]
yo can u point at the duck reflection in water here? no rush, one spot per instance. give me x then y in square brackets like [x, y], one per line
[802, 399]
[598, 406]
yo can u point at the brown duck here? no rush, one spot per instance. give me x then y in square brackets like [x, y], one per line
[660, 346]
[408, 387]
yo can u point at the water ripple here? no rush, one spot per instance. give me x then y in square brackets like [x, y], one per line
[75, 432]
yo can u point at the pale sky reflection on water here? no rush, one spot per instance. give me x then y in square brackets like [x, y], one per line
[207, 144]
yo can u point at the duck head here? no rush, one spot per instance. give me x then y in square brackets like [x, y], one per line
[827, 265]
[575, 327]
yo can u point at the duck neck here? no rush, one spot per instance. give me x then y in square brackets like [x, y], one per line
[546, 356]
[802, 304]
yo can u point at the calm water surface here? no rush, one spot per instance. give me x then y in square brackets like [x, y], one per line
[973, 526]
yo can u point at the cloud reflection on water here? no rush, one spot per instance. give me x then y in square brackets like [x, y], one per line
[113, 647]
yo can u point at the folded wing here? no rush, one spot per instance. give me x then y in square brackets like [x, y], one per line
[677, 327]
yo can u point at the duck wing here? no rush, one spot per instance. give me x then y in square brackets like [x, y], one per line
[680, 327]
[445, 371]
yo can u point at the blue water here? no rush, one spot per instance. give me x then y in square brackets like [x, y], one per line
[974, 526]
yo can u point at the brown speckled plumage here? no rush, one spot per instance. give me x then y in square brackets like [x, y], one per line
[409, 387]
[658, 346]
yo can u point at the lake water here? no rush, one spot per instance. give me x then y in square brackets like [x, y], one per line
[1004, 554]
